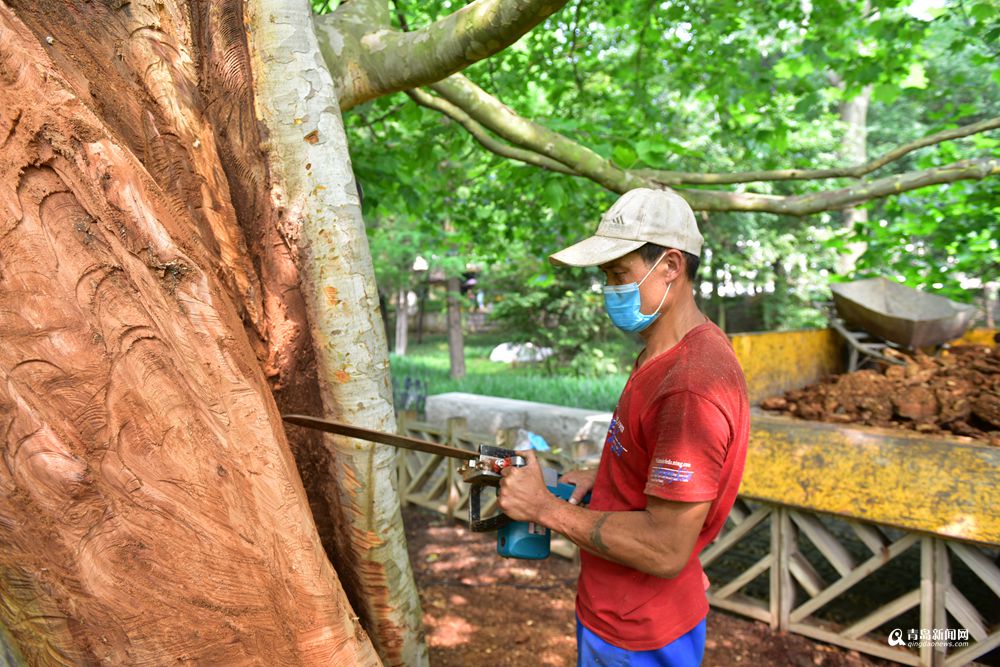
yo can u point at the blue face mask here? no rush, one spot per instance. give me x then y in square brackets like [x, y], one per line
[623, 304]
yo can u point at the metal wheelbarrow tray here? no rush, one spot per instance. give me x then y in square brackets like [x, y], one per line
[901, 314]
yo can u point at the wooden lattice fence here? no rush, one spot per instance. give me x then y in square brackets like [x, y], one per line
[838, 580]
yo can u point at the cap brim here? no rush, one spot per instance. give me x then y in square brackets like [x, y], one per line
[595, 251]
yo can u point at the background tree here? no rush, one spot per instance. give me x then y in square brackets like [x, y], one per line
[762, 88]
[395, 246]
[183, 256]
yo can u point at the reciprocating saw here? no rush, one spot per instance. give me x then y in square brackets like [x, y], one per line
[515, 539]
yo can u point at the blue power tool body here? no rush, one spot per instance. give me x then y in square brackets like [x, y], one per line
[515, 539]
[531, 541]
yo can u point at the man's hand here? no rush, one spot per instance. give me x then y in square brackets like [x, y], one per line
[584, 481]
[523, 495]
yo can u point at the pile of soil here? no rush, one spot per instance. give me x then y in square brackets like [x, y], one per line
[956, 392]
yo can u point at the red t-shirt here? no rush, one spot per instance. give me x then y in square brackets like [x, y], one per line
[679, 433]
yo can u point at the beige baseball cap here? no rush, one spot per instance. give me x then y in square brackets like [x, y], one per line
[639, 217]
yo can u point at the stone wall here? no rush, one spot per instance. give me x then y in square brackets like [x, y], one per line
[579, 433]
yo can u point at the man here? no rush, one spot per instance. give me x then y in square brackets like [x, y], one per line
[674, 454]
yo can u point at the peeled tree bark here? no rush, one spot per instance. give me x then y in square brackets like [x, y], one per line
[150, 508]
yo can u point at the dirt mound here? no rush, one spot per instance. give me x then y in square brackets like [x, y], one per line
[954, 393]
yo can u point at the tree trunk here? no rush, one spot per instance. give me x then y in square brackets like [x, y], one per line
[314, 184]
[854, 150]
[163, 277]
[422, 305]
[456, 344]
[402, 320]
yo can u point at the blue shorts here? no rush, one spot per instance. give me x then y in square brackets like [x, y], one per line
[685, 651]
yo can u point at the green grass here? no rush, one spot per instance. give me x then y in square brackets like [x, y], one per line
[429, 362]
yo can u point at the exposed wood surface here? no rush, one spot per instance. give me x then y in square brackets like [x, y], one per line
[150, 507]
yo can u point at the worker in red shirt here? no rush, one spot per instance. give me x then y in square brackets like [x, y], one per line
[673, 457]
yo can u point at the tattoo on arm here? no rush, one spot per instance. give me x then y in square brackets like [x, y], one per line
[595, 534]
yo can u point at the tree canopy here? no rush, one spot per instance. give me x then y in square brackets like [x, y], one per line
[734, 103]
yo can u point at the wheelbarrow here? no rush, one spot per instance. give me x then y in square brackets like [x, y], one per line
[896, 313]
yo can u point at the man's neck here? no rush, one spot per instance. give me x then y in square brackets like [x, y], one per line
[670, 327]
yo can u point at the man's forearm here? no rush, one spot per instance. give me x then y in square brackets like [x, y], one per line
[627, 538]
[657, 539]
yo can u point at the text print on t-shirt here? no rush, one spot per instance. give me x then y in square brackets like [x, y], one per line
[613, 441]
[668, 471]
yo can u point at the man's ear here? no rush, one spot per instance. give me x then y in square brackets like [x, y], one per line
[674, 264]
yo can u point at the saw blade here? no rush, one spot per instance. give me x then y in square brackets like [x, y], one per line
[392, 439]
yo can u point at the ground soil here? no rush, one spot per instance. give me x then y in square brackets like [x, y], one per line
[955, 393]
[480, 609]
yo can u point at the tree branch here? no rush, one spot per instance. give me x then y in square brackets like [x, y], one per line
[403, 25]
[694, 178]
[369, 60]
[500, 119]
[714, 200]
[488, 113]
[480, 134]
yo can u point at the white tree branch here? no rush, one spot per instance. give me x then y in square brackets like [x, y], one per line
[503, 121]
[491, 114]
[697, 178]
[480, 134]
[830, 200]
[369, 59]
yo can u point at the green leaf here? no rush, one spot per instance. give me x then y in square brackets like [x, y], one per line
[624, 155]
[803, 66]
[650, 152]
[554, 194]
[677, 149]
[411, 113]
[982, 11]
[886, 92]
[782, 70]
[833, 94]
[746, 89]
